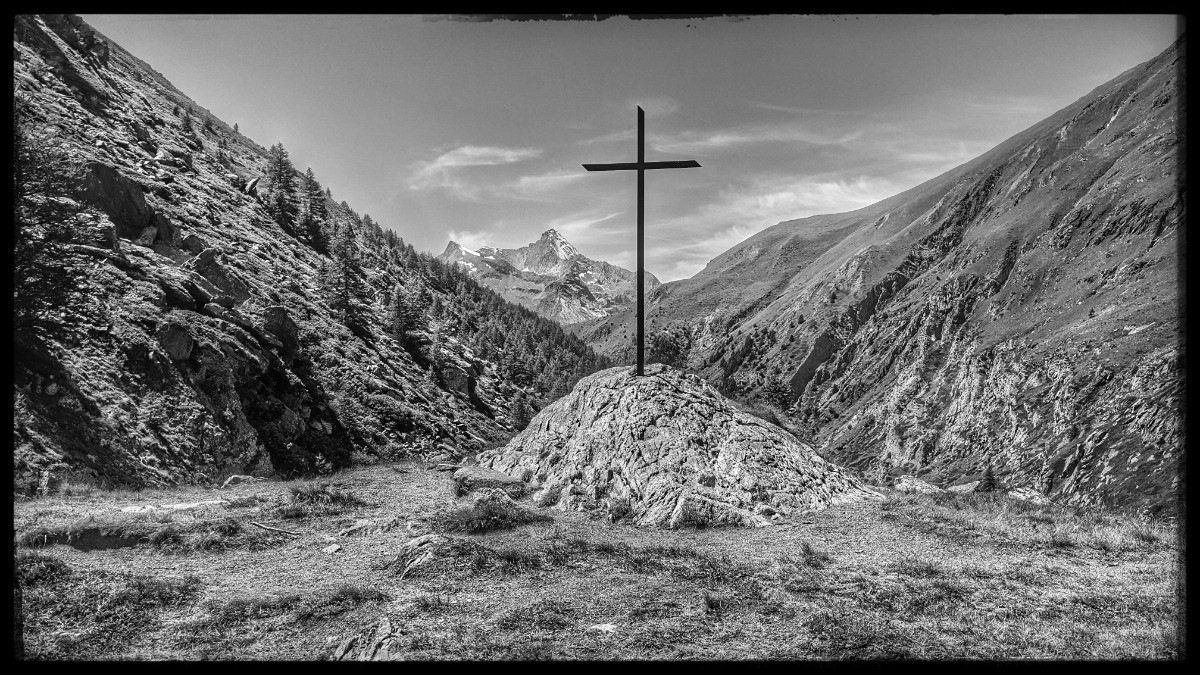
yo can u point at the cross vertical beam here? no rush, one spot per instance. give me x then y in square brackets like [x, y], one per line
[641, 242]
[641, 166]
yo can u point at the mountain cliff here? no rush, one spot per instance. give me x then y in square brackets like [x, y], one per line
[552, 278]
[190, 306]
[1020, 311]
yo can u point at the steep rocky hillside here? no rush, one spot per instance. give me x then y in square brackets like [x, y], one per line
[214, 322]
[552, 278]
[1020, 311]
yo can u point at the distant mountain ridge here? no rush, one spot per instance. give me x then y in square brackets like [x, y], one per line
[551, 277]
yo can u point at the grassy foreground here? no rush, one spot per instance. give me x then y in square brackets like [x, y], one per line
[318, 571]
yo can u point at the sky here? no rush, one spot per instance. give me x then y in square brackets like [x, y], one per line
[475, 131]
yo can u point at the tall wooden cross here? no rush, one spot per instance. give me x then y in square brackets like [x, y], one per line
[641, 166]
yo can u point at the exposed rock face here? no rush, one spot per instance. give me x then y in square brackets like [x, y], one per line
[552, 278]
[667, 450]
[1021, 310]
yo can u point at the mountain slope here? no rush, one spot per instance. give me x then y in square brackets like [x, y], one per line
[1018, 311]
[552, 278]
[207, 336]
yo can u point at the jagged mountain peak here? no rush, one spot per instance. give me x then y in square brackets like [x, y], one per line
[551, 277]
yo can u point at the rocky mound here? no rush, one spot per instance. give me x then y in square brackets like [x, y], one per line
[667, 450]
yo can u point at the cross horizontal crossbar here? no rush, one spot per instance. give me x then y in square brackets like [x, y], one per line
[634, 166]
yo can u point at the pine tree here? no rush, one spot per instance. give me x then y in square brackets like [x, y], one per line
[521, 413]
[988, 484]
[281, 197]
[235, 127]
[347, 289]
[186, 123]
[314, 212]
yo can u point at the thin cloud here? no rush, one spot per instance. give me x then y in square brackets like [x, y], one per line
[580, 228]
[803, 111]
[700, 142]
[471, 239]
[697, 238]
[540, 185]
[654, 106]
[445, 171]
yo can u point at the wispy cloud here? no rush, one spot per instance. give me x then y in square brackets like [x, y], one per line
[700, 142]
[541, 185]
[740, 212]
[803, 111]
[471, 239]
[581, 227]
[445, 170]
[654, 106]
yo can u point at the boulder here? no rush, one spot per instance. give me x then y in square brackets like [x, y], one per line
[208, 265]
[193, 244]
[1029, 495]
[279, 323]
[166, 232]
[176, 341]
[456, 378]
[912, 484]
[471, 478]
[140, 132]
[117, 196]
[670, 451]
[238, 479]
[964, 488]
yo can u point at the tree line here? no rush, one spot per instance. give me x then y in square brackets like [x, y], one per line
[414, 297]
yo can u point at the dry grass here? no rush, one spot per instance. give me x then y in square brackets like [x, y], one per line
[897, 580]
[997, 518]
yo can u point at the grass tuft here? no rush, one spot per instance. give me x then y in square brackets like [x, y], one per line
[485, 516]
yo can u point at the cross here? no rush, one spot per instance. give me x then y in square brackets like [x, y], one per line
[641, 166]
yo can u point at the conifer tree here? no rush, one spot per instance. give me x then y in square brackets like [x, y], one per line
[281, 198]
[235, 127]
[347, 289]
[312, 221]
[521, 413]
[988, 484]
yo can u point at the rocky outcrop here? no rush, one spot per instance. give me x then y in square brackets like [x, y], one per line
[912, 484]
[666, 450]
